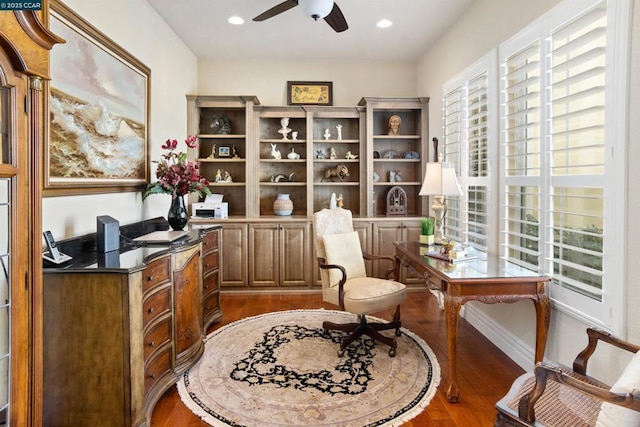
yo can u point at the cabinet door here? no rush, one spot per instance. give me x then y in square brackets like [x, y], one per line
[411, 232]
[263, 254]
[187, 282]
[234, 257]
[384, 234]
[294, 254]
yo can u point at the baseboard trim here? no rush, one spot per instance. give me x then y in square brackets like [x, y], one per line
[508, 343]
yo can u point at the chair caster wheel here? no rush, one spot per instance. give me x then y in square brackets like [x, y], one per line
[392, 352]
[398, 333]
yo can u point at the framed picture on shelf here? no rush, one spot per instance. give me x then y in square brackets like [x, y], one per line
[309, 93]
[224, 151]
[98, 112]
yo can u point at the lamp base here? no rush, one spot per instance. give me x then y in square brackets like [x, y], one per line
[439, 208]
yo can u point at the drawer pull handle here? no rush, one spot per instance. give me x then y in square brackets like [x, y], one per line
[206, 286]
[206, 265]
[152, 344]
[151, 310]
[152, 376]
[149, 278]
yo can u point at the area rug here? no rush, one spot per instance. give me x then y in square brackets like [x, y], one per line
[283, 369]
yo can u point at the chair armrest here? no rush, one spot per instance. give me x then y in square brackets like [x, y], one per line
[587, 385]
[394, 261]
[322, 263]
[594, 334]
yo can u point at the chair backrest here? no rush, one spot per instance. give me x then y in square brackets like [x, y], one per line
[329, 221]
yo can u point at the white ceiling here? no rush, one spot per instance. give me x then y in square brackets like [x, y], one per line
[202, 25]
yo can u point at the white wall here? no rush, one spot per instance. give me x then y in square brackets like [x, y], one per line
[138, 29]
[484, 26]
[268, 79]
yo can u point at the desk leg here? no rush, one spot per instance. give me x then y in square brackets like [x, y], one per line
[543, 315]
[451, 311]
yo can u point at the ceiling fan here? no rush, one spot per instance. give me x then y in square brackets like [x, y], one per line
[316, 9]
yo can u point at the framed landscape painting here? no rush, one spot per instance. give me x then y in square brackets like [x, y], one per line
[309, 93]
[98, 112]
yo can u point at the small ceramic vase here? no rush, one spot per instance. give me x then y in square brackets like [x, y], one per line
[283, 206]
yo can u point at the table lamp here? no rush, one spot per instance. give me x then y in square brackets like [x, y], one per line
[440, 181]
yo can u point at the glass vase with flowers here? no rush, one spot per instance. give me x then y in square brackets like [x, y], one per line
[179, 177]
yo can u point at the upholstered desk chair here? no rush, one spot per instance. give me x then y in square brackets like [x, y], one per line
[345, 282]
[556, 395]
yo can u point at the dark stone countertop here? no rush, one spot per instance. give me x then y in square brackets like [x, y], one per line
[131, 255]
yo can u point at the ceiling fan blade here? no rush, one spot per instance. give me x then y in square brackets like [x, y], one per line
[276, 10]
[336, 20]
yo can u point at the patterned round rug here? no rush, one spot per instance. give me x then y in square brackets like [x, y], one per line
[282, 369]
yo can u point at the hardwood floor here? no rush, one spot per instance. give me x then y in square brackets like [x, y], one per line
[485, 373]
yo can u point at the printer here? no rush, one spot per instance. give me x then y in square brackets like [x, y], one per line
[212, 207]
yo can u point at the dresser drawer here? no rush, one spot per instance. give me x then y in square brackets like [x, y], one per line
[211, 304]
[209, 283]
[156, 304]
[156, 272]
[157, 367]
[210, 241]
[209, 262]
[157, 336]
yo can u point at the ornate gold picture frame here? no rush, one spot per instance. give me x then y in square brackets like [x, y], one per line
[310, 93]
[99, 112]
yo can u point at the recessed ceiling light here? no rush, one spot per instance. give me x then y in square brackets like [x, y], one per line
[384, 23]
[236, 20]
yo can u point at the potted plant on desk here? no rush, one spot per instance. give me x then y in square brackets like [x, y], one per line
[427, 238]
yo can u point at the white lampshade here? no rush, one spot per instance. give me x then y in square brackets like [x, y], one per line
[440, 180]
[316, 8]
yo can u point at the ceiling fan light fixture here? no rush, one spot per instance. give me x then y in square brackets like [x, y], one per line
[317, 9]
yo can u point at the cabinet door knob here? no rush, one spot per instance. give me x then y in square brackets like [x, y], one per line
[152, 344]
[149, 278]
[151, 310]
[152, 376]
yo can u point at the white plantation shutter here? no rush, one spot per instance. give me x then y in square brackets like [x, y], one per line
[562, 115]
[521, 155]
[454, 131]
[467, 133]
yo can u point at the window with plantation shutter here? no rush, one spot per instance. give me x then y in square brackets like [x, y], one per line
[562, 151]
[468, 107]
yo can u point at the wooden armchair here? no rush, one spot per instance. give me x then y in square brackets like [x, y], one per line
[556, 395]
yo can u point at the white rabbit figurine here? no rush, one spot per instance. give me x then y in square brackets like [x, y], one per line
[275, 153]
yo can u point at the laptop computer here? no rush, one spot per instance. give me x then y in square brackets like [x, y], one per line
[162, 236]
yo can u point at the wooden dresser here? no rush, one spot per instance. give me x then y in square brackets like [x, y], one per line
[119, 329]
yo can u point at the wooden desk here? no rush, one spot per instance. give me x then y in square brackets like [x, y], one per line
[489, 281]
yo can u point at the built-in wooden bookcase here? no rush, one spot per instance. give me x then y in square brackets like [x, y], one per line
[224, 153]
[282, 175]
[400, 159]
[339, 131]
[359, 137]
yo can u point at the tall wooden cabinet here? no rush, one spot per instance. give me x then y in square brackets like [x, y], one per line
[25, 43]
